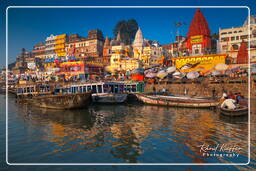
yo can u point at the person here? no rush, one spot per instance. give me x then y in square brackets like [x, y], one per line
[231, 95]
[238, 97]
[154, 90]
[228, 103]
[213, 93]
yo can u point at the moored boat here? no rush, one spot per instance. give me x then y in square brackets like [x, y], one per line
[109, 98]
[62, 101]
[177, 101]
[241, 111]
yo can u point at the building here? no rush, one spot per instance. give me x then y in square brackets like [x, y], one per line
[230, 39]
[147, 51]
[92, 46]
[39, 50]
[121, 60]
[60, 48]
[50, 46]
[21, 65]
[198, 39]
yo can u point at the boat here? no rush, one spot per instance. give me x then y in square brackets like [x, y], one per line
[241, 111]
[177, 101]
[109, 98]
[62, 101]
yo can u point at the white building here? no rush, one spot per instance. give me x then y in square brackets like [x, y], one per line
[231, 38]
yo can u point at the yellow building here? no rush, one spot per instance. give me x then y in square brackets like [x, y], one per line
[60, 42]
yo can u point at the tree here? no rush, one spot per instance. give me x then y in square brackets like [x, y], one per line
[127, 30]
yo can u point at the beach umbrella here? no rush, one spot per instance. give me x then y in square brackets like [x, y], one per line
[162, 74]
[151, 75]
[192, 75]
[221, 67]
[171, 69]
[216, 73]
[178, 74]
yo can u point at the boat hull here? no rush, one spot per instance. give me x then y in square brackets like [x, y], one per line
[62, 102]
[109, 98]
[174, 102]
[237, 112]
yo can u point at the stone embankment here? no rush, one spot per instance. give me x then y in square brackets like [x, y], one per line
[206, 87]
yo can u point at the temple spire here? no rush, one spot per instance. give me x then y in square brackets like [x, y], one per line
[242, 55]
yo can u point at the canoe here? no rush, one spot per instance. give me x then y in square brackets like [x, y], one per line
[177, 101]
[242, 111]
[62, 101]
[109, 98]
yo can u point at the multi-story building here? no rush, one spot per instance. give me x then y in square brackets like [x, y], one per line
[60, 42]
[120, 60]
[50, 46]
[39, 50]
[22, 61]
[92, 46]
[230, 39]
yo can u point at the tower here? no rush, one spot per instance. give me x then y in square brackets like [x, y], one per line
[106, 47]
[199, 35]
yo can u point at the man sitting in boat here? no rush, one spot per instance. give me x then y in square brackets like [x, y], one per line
[228, 103]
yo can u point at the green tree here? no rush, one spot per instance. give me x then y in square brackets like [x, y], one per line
[127, 30]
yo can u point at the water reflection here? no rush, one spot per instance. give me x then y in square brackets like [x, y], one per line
[138, 133]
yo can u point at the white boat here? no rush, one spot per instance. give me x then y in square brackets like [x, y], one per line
[109, 97]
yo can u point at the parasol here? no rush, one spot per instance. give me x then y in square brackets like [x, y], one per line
[221, 67]
[192, 75]
[162, 74]
[216, 73]
[151, 75]
[171, 69]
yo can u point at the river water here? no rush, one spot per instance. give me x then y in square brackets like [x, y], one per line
[129, 133]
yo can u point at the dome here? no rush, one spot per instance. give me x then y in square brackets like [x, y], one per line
[252, 20]
[199, 25]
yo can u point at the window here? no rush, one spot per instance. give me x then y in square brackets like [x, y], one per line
[232, 38]
[223, 33]
[237, 37]
[235, 47]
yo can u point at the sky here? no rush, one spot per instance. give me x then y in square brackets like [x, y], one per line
[28, 26]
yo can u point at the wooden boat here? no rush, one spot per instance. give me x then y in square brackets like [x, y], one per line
[177, 101]
[109, 98]
[62, 101]
[242, 111]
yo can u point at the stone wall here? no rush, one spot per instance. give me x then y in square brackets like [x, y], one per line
[203, 89]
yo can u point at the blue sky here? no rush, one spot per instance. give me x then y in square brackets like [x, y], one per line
[28, 26]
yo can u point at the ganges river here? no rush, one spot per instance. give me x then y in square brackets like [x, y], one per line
[127, 133]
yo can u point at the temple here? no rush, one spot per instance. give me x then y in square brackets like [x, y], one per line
[198, 39]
